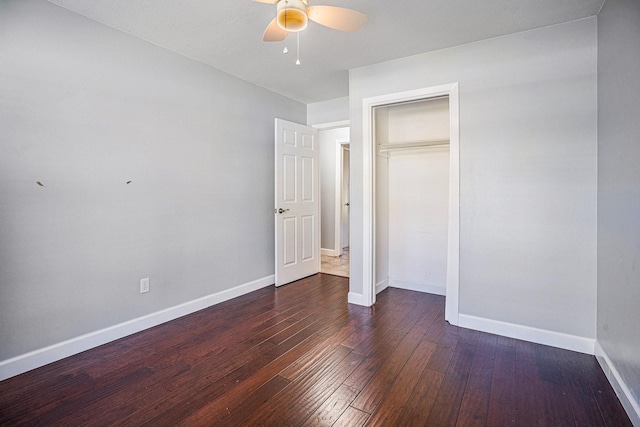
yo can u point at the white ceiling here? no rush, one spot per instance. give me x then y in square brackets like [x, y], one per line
[227, 34]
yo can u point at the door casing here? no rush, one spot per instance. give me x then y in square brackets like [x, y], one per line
[368, 216]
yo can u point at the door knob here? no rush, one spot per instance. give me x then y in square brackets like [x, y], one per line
[282, 210]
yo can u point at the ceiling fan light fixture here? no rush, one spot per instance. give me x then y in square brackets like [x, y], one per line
[292, 15]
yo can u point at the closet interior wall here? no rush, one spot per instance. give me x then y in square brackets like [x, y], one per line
[412, 195]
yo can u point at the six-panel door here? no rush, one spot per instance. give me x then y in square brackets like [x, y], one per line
[297, 204]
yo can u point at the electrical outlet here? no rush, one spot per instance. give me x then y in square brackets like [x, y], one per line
[144, 285]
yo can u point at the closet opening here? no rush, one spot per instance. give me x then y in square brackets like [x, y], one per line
[414, 194]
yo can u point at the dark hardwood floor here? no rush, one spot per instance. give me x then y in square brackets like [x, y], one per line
[300, 355]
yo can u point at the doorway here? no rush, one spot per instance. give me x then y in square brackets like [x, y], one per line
[373, 192]
[345, 199]
[334, 183]
[411, 199]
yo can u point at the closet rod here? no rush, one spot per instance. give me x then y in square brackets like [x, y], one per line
[416, 144]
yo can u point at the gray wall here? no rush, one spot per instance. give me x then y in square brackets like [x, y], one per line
[528, 171]
[85, 108]
[619, 188]
[333, 110]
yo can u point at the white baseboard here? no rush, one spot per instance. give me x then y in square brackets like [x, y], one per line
[37, 358]
[419, 287]
[527, 333]
[357, 299]
[381, 286]
[631, 406]
[329, 252]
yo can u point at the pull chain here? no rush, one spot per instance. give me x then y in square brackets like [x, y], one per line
[298, 48]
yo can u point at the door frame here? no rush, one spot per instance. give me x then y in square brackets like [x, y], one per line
[340, 147]
[368, 191]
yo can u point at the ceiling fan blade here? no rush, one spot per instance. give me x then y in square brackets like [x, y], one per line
[337, 18]
[267, 1]
[273, 33]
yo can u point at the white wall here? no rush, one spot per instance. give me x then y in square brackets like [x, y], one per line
[86, 108]
[381, 230]
[527, 175]
[619, 198]
[418, 219]
[328, 160]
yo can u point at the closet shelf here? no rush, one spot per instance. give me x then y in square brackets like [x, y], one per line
[415, 144]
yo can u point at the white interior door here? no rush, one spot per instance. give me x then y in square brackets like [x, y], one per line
[297, 202]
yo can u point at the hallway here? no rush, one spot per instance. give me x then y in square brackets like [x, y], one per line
[338, 266]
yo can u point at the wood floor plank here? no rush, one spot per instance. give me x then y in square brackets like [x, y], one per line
[417, 409]
[359, 335]
[258, 356]
[302, 406]
[63, 411]
[554, 384]
[526, 352]
[487, 346]
[301, 355]
[447, 405]
[385, 375]
[473, 409]
[239, 367]
[475, 401]
[502, 405]
[581, 375]
[376, 356]
[307, 393]
[400, 391]
[218, 409]
[610, 407]
[529, 406]
[441, 358]
[556, 404]
[334, 337]
[351, 417]
[506, 341]
[332, 408]
[238, 408]
[412, 316]
[430, 315]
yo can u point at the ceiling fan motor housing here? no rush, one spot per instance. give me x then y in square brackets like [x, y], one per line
[292, 15]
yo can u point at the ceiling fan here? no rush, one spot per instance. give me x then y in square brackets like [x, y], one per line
[292, 16]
